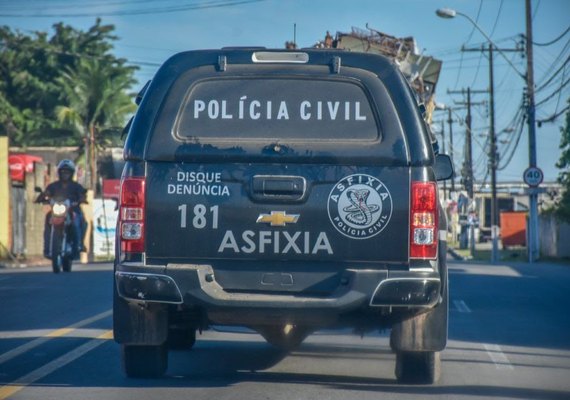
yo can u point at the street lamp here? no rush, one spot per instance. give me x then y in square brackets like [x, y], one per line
[448, 13]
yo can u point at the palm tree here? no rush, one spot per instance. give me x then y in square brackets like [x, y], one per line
[97, 104]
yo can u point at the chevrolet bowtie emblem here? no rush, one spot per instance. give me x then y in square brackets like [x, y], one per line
[277, 218]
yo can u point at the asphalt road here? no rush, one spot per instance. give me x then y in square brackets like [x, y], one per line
[509, 338]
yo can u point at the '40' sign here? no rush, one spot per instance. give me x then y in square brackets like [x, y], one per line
[533, 176]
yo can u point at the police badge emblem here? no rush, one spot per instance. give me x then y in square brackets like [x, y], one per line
[359, 206]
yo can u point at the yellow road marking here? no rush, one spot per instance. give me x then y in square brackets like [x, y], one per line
[54, 334]
[40, 373]
[9, 390]
[60, 332]
[106, 336]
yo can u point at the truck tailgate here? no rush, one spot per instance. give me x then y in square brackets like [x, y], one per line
[266, 212]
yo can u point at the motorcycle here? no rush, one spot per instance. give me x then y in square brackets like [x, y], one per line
[61, 236]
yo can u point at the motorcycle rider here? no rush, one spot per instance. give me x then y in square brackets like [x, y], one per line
[66, 188]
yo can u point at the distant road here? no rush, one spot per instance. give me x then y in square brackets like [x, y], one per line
[509, 338]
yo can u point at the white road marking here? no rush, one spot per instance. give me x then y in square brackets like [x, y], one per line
[461, 306]
[499, 358]
[34, 376]
[51, 335]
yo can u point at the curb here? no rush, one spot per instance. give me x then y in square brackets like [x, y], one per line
[25, 263]
[456, 256]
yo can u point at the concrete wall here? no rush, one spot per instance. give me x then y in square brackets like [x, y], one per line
[554, 237]
[35, 218]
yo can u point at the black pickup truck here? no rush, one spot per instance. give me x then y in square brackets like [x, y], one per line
[284, 191]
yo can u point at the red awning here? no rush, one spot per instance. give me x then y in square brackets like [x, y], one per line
[20, 164]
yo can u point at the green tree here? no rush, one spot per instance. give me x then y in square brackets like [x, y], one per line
[563, 207]
[96, 102]
[26, 89]
[31, 71]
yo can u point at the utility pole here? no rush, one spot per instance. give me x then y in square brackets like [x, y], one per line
[450, 122]
[469, 149]
[467, 170]
[444, 152]
[533, 244]
[467, 174]
[493, 161]
[295, 35]
[493, 150]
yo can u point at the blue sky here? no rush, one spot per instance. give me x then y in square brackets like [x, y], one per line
[148, 39]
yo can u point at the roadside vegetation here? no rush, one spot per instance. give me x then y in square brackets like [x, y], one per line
[563, 206]
[64, 88]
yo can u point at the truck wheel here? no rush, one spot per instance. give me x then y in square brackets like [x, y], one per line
[144, 361]
[420, 367]
[284, 337]
[181, 339]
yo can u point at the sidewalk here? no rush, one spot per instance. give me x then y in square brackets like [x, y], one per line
[510, 255]
[25, 262]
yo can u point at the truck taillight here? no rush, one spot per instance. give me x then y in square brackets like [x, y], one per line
[423, 220]
[132, 215]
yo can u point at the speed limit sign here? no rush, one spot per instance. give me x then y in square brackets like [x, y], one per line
[533, 176]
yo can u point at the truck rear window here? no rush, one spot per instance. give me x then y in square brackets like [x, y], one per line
[287, 108]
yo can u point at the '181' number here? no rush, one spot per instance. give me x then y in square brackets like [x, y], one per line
[201, 216]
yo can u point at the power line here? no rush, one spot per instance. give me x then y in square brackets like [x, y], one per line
[555, 62]
[554, 40]
[514, 148]
[42, 6]
[459, 59]
[475, 66]
[477, 72]
[562, 67]
[553, 117]
[476, 21]
[553, 93]
[458, 71]
[497, 18]
[163, 10]
[144, 63]
[467, 40]
[515, 144]
[535, 11]
[441, 52]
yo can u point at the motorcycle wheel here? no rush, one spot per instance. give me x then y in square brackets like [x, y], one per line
[56, 257]
[56, 264]
[66, 263]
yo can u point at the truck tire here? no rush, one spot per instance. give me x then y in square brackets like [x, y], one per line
[144, 361]
[418, 367]
[181, 339]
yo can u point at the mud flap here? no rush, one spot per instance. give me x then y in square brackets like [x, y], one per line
[427, 331]
[139, 324]
[423, 332]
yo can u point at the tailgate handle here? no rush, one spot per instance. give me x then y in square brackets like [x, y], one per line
[279, 187]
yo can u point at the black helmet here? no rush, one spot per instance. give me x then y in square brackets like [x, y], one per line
[66, 164]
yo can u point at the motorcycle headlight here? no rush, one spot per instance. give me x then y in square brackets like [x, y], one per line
[59, 209]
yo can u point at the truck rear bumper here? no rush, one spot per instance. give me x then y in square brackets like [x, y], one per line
[195, 284]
